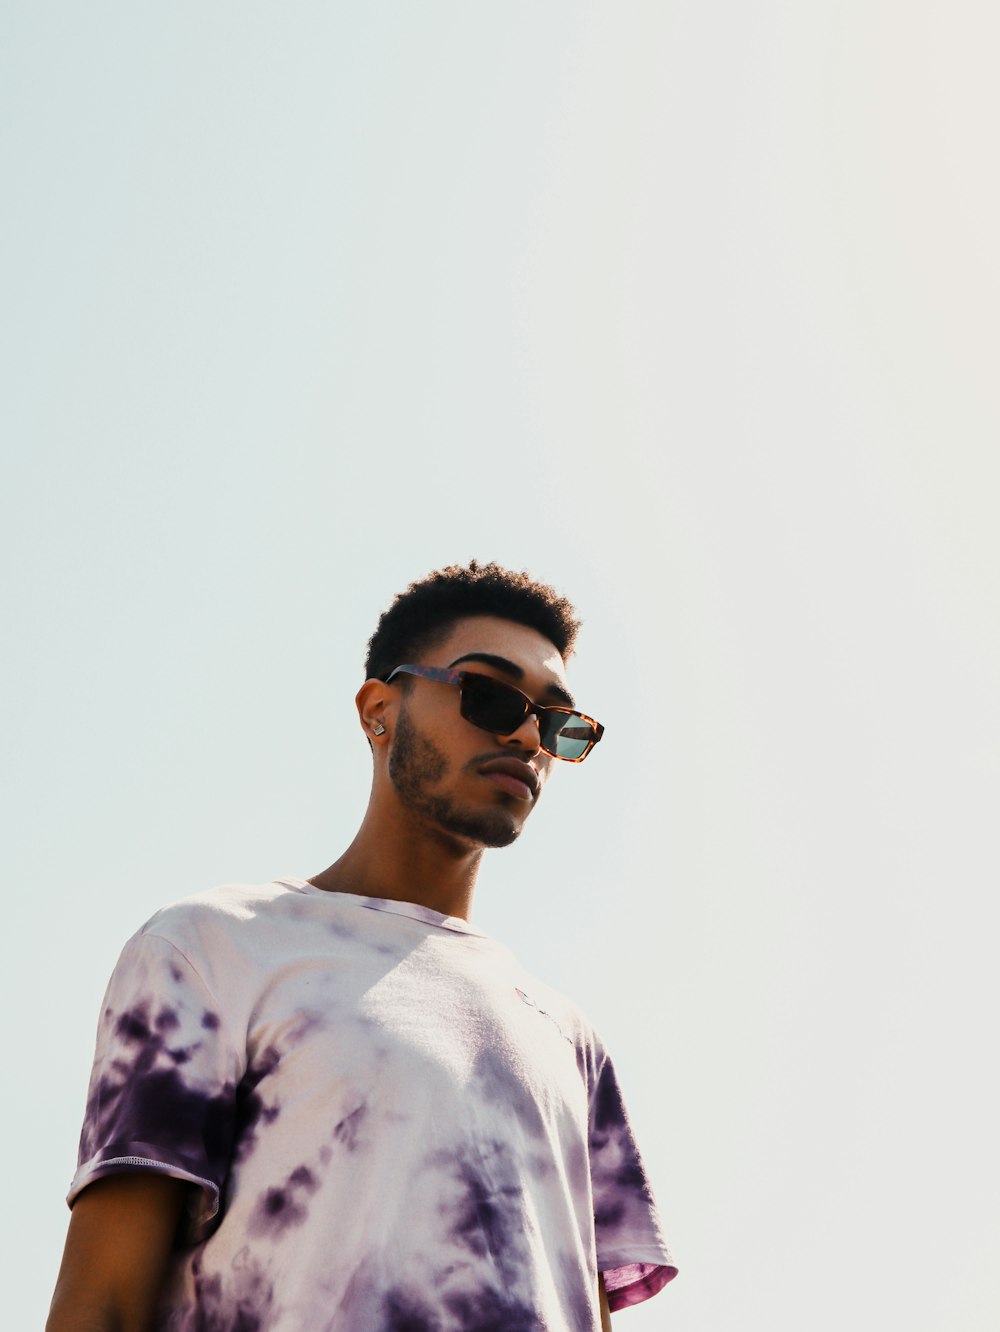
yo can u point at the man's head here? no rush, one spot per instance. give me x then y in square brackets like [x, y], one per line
[422, 615]
[472, 785]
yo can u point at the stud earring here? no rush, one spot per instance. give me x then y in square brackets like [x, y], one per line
[378, 729]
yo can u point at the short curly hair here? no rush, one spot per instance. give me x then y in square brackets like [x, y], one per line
[422, 616]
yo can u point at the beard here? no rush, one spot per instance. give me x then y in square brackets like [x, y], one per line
[415, 765]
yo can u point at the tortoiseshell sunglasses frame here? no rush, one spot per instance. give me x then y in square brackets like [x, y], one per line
[442, 675]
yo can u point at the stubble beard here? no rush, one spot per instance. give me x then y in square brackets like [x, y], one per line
[415, 764]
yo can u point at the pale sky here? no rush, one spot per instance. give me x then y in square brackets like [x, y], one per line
[688, 308]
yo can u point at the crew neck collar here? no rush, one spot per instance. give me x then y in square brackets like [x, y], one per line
[414, 910]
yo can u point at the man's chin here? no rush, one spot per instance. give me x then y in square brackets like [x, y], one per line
[481, 827]
[502, 837]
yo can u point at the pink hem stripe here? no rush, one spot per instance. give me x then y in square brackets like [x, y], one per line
[647, 1282]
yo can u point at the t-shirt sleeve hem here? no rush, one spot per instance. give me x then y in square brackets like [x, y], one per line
[629, 1283]
[202, 1208]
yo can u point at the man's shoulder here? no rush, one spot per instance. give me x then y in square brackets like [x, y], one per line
[215, 910]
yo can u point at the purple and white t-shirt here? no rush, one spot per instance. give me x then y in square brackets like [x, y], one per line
[391, 1127]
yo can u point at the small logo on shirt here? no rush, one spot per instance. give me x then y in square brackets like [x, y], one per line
[527, 999]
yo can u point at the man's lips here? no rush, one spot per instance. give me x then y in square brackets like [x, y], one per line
[511, 784]
[512, 775]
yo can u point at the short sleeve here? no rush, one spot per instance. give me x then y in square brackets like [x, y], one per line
[632, 1253]
[162, 1089]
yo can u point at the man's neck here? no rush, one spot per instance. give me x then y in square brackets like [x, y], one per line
[409, 863]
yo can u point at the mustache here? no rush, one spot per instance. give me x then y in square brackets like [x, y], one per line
[480, 759]
[492, 754]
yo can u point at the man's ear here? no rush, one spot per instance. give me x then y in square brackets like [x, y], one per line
[374, 703]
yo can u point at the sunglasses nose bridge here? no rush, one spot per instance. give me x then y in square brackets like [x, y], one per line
[533, 714]
[530, 738]
[529, 713]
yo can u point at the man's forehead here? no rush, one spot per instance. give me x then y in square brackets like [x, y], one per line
[490, 635]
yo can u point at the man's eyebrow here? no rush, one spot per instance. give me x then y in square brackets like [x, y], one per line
[511, 668]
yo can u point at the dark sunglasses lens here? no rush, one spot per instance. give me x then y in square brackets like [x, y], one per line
[566, 736]
[492, 705]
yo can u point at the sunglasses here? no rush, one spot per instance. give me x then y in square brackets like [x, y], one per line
[500, 708]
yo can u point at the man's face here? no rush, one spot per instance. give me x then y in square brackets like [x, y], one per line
[443, 767]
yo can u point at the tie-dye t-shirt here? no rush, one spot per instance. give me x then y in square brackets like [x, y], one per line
[388, 1125]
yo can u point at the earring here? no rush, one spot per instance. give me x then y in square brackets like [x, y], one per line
[378, 729]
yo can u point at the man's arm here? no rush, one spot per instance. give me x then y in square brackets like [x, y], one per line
[603, 1297]
[120, 1235]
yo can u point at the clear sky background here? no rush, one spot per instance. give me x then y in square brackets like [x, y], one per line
[689, 308]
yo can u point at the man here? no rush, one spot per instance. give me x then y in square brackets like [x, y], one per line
[335, 1105]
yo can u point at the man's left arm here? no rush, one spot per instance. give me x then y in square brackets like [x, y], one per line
[602, 1295]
